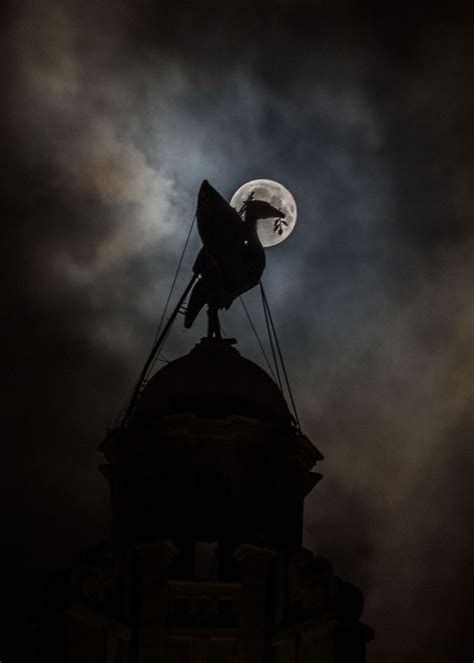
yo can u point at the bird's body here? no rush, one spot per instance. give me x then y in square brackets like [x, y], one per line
[232, 259]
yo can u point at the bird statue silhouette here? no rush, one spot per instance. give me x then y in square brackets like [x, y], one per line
[232, 259]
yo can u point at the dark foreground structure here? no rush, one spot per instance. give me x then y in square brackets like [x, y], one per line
[205, 563]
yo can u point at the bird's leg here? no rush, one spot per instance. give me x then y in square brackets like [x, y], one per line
[217, 324]
[209, 323]
[213, 328]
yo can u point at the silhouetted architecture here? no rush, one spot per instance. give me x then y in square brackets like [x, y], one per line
[207, 485]
[208, 473]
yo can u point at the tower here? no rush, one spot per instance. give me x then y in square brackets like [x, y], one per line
[205, 564]
[208, 473]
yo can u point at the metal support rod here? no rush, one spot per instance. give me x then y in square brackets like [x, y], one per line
[280, 355]
[154, 350]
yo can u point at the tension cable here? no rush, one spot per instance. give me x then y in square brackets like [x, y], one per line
[258, 338]
[272, 332]
[162, 332]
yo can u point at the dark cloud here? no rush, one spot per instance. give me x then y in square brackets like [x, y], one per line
[114, 116]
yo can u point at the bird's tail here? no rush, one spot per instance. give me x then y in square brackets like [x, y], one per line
[196, 301]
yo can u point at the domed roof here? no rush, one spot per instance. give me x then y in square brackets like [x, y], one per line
[213, 381]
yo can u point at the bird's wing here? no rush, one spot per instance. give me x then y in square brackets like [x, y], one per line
[220, 226]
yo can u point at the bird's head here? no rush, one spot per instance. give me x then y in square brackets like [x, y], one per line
[260, 209]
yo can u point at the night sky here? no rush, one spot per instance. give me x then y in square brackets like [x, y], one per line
[112, 115]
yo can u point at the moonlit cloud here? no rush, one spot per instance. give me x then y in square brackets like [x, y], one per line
[114, 125]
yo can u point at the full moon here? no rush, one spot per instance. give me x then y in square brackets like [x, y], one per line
[270, 231]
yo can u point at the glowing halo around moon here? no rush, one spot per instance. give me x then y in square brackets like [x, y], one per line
[278, 196]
